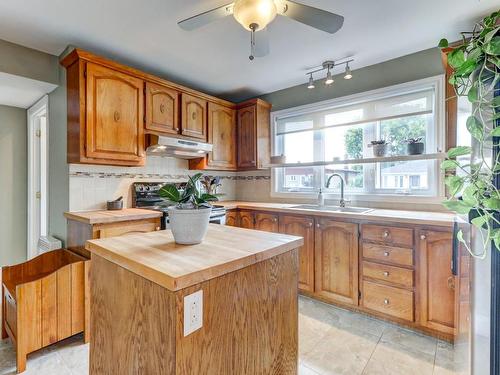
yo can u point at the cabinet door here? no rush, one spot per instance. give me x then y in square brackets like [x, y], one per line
[194, 117]
[115, 108]
[267, 222]
[436, 281]
[222, 135]
[247, 146]
[232, 218]
[303, 227]
[162, 109]
[336, 261]
[247, 219]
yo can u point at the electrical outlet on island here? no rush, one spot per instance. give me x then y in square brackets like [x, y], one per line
[193, 312]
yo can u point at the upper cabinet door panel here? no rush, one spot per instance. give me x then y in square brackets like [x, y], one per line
[222, 135]
[114, 115]
[194, 117]
[247, 157]
[162, 109]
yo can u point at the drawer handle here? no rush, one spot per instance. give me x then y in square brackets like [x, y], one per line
[116, 116]
[386, 301]
[423, 237]
[386, 253]
[386, 273]
[386, 233]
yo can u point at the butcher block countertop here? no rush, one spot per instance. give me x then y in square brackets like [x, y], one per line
[104, 216]
[156, 257]
[395, 216]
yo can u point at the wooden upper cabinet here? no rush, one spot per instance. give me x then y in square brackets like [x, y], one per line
[303, 227]
[254, 144]
[267, 222]
[336, 261]
[194, 117]
[162, 109]
[436, 281]
[114, 115]
[222, 135]
[247, 146]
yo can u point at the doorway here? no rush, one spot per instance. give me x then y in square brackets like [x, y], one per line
[38, 127]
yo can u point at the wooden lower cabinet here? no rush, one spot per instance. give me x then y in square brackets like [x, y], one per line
[302, 226]
[436, 281]
[233, 218]
[247, 219]
[336, 261]
[267, 222]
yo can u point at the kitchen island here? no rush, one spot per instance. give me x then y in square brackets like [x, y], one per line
[249, 312]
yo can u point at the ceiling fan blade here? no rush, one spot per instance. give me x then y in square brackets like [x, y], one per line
[262, 43]
[314, 17]
[207, 17]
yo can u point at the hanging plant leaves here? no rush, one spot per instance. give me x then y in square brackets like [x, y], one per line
[472, 95]
[456, 58]
[459, 207]
[475, 127]
[493, 47]
[443, 43]
[480, 221]
[449, 164]
[459, 151]
[469, 195]
[455, 184]
[492, 203]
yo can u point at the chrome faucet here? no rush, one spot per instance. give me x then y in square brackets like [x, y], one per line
[342, 182]
[321, 198]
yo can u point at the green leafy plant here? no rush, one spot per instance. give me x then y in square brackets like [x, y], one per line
[476, 66]
[190, 197]
[413, 140]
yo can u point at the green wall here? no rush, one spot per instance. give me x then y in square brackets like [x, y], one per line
[29, 63]
[408, 68]
[13, 182]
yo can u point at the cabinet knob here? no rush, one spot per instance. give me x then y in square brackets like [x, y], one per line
[451, 283]
[386, 233]
[275, 220]
[386, 301]
[318, 225]
[310, 225]
[162, 108]
[386, 253]
[423, 236]
[116, 116]
[157, 228]
[386, 273]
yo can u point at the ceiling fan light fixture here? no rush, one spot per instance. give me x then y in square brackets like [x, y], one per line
[329, 78]
[311, 82]
[254, 12]
[348, 72]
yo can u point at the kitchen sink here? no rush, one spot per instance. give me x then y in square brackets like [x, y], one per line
[357, 210]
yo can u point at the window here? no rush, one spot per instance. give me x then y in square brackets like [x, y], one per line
[342, 129]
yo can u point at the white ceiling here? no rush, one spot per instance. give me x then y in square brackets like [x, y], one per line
[215, 58]
[17, 91]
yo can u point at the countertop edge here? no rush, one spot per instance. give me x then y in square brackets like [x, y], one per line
[74, 215]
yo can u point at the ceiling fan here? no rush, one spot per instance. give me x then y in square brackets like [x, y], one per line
[255, 15]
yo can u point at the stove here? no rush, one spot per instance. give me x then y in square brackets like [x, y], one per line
[145, 195]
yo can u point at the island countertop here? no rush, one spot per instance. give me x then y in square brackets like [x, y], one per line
[156, 257]
[111, 216]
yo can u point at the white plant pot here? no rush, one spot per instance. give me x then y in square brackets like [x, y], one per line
[189, 226]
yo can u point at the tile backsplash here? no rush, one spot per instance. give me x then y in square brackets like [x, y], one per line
[90, 186]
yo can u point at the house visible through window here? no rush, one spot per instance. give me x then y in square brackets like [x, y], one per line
[342, 130]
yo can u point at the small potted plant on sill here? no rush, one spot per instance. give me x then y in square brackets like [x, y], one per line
[190, 215]
[414, 146]
[380, 148]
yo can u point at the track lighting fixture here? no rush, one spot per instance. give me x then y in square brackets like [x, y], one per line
[328, 66]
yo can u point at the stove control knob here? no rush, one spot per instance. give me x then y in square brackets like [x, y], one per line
[147, 188]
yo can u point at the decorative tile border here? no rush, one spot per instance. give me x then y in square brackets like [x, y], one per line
[158, 176]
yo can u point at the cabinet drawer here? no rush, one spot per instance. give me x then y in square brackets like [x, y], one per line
[388, 235]
[389, 254]
[125, 228]
[391, 274]
[388, 300]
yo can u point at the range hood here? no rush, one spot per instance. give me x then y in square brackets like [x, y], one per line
[178, 148]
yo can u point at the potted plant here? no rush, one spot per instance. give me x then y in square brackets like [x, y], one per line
[190, 215]
[471, 185]
[380, 147]
[414, 146]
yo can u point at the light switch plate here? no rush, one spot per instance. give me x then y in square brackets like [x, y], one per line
[193, 312]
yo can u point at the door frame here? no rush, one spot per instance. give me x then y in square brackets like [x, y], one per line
[42, 105]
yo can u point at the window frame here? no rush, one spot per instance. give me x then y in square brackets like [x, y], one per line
[436, 82]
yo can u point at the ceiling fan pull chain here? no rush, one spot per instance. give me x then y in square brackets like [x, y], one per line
[253, 27]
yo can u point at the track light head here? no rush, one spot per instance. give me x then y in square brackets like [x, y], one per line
[311, 82]
[348, 72]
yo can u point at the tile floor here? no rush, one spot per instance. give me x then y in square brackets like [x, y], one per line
[331, 341]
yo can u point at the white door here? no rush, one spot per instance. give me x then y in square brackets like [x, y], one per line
[37, 174]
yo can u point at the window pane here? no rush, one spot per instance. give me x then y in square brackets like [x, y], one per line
[398, 130]
[298, 147]
[297, 179]
[352, 175]
[344, 142]
[405, 175]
